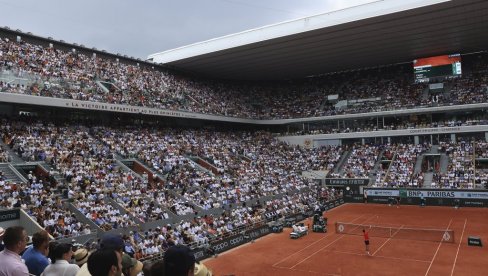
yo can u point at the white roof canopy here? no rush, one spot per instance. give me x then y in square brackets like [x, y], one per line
[377, 33]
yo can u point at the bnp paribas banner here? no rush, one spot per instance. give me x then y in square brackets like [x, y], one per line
[466, 194]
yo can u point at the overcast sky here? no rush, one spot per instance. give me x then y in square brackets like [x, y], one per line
[143, 27]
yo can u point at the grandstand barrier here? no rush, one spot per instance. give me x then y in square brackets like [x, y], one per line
[29, 223]
[436, 197]
[246, 233]
[346, 181]
[238, 237]
[81, 239]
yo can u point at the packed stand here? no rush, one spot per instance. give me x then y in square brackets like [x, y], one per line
[461, 168]
[401, 170]
[73, 75]
[361, 161]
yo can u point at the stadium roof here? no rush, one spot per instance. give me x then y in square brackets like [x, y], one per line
[378, 33]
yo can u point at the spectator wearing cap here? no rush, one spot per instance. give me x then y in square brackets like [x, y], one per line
[60, 265]
[35, 257]
[130, 266]
[15, 240]
[179, 261]
[105, 262]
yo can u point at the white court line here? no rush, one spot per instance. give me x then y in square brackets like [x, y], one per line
[311, 271]
[374, 216]
[325, 236]
[384, 257]
[440, 243]
[388, 239]
[459, 245]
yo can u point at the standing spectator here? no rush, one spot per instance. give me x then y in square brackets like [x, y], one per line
[109, 241]
[15, 240]
[179, 261]
[60, 265]
[2, 232]
[130, 266]
[35, 257]
[105, 262]
[81, 256]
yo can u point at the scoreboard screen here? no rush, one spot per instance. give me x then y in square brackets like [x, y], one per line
[439, 66]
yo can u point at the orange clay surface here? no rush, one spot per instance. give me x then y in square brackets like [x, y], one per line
[337, 254]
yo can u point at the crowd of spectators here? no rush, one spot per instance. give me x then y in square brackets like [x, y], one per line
[39, 201]
[69, 74]
[361, 161]
[400, 171]
[352, 126]
[252, 165]
[249, 165]
[461, 168]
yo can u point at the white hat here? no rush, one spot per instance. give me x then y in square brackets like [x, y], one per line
[2, 231]
[202, 270]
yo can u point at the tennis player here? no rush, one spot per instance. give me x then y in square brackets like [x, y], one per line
[366, 241]
[398, 201]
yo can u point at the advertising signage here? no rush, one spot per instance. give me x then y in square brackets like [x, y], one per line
[346, 181]
[429, 193]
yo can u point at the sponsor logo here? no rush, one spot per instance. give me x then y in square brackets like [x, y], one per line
[198, 254]
[440, 194]
[340, 228]
[221, 246]
[236, 240]
[9, 215]
[414, 193]
[261, 232]
[474, 203]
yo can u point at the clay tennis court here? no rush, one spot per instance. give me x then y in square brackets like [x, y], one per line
[338, 254]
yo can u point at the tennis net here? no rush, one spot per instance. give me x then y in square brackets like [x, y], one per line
[435, 235]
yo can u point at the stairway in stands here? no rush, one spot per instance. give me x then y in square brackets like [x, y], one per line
[14, 158]
[10, 174]
[428, 176]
